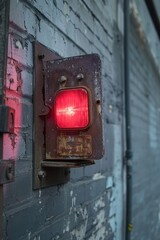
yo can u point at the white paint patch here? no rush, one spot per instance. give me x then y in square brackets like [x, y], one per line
[67, 226]
[100, 219]
[71, 211]
[100, 226]
[73, 201]
[29, 235]
[98, 176]
[71, 193]
[40, 194]
[80, 232]
[100, 203]
[18, 44]
[37, 238]
[109, 182]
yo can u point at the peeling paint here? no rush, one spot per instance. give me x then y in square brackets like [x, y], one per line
[98, 176]
[100, 229]
[29, 235]
[37, 238]
[109, 182]
[138, 22]
[80, 232]
[100, 203]
[18, 44]
[71, 193]
[39, 196]
[73, 201]
[67, 227]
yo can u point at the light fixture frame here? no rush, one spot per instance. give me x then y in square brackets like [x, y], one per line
[51, 164]
[89, 108]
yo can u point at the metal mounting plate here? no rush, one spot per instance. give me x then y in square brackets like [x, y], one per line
[83, 145]
[55, 151]
[53, 176]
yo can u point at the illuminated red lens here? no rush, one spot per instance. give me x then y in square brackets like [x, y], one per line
[72, 108]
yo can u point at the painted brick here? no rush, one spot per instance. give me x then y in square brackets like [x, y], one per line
[16, 193]
[17, 17]
[20, 49]
[90, 205]
[76, 174]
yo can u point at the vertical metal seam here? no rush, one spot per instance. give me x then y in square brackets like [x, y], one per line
[128, 153]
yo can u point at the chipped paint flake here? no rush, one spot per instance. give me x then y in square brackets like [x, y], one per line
[39, 195]
[80, 232]
[100, 203]
[98, 176]
[100, 229]
[109, 182]
[71, 193]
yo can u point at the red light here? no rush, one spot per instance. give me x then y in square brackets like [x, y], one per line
[72, 108]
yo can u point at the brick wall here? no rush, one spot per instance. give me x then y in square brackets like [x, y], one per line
[90, 205]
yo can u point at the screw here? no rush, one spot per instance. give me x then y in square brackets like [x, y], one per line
[41, 174]
[62, 79]
[80, 76]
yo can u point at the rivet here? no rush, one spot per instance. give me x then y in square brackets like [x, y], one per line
[80, 76]
[41, 174]
[62, 79]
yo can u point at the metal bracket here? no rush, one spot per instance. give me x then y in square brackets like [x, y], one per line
[7, 171]
[6, 119]
[44, 176]
[55, 151]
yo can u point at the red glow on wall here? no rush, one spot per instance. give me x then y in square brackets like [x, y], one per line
[72, 108]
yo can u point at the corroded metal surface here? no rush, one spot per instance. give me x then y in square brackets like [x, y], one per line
[80, 71]
[40, 110]
[77, 146]
[55, 148]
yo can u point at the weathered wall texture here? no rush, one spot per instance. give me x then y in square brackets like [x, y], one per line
[145, 117]
[90, 205]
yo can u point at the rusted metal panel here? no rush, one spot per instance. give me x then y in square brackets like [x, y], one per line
[81, 71]
[53, 176]
[54, 149]
[77, 146]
